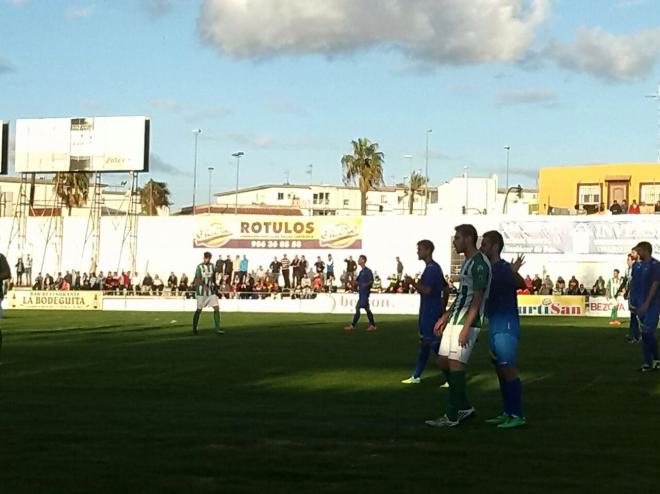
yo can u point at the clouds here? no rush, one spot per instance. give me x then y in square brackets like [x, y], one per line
[158, 8]
[610, 56]
[435, 31]
[426, 33]
[526, 97]
[5, 67]
[157, 165]
[79, 12]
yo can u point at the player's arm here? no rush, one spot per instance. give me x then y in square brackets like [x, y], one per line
[516, 264]
[472, 313]
[418, 285]
[652, 290]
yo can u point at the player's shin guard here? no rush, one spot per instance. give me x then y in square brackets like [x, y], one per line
[216, 319]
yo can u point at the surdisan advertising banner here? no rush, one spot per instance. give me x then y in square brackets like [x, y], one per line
[272, 232]
[551, 305]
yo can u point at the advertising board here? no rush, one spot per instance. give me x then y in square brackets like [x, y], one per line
[54, 300]
[90, 144]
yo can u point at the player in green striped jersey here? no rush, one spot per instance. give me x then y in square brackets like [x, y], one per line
[206, 292]
[459, 327]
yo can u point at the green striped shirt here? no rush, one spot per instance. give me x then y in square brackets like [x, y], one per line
[475, 275]
[205, 280]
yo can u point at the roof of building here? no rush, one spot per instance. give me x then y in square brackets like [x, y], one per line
[383, 188]
[230, 209]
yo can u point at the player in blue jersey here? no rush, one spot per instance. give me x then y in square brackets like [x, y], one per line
[434, 294]
[647, 295]
[364, 281]
[504, 328]
[632, 284]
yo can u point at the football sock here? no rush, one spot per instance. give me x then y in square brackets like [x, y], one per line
[514, 395]
[422, 357]
[457, 396]
[370, 316]
[216, 319]
[356, 317]
[505, 398]
[196, 319]
[613, 312]
[445, 372]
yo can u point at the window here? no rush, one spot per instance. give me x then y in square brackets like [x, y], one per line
[345, 203]
[280, 196]
[322, 198]
[649, 193]
[589, 195]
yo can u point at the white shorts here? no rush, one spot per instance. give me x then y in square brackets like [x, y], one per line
[449, 346]
[206, 301]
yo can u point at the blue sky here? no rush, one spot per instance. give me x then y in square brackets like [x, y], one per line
[291, 82]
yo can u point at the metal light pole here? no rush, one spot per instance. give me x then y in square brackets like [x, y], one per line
[409, 157]
[237, 155]
[508, 150]
[210, 182]
[426, 174]
[196, 133]
[403, 208]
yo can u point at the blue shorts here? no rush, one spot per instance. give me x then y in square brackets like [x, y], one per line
[503, 349]
[362, 304]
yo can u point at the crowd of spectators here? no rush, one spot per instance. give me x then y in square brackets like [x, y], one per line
[546, 286]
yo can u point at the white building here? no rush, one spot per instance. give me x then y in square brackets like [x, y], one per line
[320, 200]
[459, 195]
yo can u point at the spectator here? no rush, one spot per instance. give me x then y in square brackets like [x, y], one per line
[624, 207]
[615, 208]
[582, 291]
[20, 269]
[573, 285]
[330, 284]
[634, 207]
[229, 268]
[330, 266]
[598, 290]
[528, 284]
[275, 268]
[302, 267]
[183, 284]
[135, 283]
[319, 265]
[537, 283]
[172, 282]
[260, 274]
[399, 269]
[38, 282]
[547, 287]
[560, 286]
[377, 287]
[295, 268]
[657, 207]
[317, 283]
[286, 272]
[243, 268]
[147, 284]
[351, 267]
[85, 282]
[158, 285]
[219, 268]
[28, 270]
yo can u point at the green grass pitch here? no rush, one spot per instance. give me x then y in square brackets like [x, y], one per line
[95, 402]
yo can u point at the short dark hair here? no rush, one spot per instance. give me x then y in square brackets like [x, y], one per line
[363, 257]
[207, 254]
[468, 231]
[616, 271]
[644, 245]
[496, 238]
[426, 244]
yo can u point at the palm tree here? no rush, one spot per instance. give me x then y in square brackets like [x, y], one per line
[154, 195]
[417, 183]
[72, 188]
[363, 168]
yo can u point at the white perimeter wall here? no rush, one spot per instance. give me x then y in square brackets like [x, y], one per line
[556, 245]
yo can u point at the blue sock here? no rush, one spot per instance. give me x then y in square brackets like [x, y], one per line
[505, 396]
[515, 396]
[422, 357]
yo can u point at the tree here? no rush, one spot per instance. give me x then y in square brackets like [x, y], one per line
[417, 183]
[72, 188]
[154, 195]
[363, 168]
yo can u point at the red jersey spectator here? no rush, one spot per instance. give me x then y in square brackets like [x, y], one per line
[634, 207]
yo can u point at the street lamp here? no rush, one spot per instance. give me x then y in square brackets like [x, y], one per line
[196, 133]
[210, 182]
[426, 174]
[508, 150]
[237, 155]
[518, 190]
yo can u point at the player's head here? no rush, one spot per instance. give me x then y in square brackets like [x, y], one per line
[207, 256]
[492, 244]
[644, 250]
[362, 260]
[616, 273]
[465, 238]
[425, 250]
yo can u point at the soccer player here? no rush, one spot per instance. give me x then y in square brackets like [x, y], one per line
[648, 298]
[459, 327]
[434, 294]
[206, 293]
[614, 287]
[364, 281]
[504, 329]
[632, 284]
